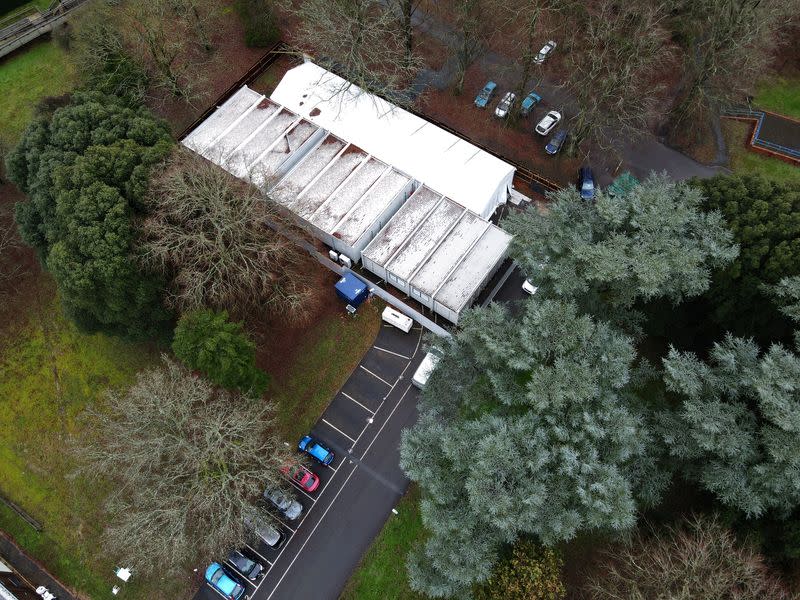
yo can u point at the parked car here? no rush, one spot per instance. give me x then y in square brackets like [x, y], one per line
[548, 122]
[529, 288]
[485, 95]
[531, 100]
[302, 476]
[425, 369]
[505, 105]
[586, 183]
[268, 533]
[546, 50]
[316, 450]
[225, 583]
[245, 565]
[289, 507]
[556, 142]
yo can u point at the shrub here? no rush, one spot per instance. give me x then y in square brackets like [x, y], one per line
[531, 572]
[208, 342]
[260, 25]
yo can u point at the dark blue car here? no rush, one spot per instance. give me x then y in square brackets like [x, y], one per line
[316, 450]
[586, 183]
[555, 143]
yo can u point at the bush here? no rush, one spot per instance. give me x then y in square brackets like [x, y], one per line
[531, 572]
[260, 25]
[206, 341]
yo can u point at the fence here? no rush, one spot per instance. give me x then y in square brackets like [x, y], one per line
[29, 28]
[757, 142]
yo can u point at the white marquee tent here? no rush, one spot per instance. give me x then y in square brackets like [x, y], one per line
[442, 161]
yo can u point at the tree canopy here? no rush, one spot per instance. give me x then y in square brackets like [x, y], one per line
[85, 169]
[654, 241]
[208, 342]
[764, 216]
[526, 427]
[188, 462]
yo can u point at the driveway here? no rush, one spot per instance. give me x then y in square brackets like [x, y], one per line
[357, 493]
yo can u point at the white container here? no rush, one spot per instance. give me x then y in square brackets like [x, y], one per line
[333, 255]
[345, 261]
[397, 319]
[424, 370]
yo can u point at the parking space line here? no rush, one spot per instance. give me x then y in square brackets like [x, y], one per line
[378, 377]
[287, 527]
[302, 491]
[332, 468]
[349, 397]
[258, 554]
[390, 352]
[331, 425]
[231, 566]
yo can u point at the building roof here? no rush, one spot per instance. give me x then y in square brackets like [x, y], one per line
[440, 248]
[461, 171]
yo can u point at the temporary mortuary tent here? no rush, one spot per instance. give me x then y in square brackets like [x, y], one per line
[442, 161]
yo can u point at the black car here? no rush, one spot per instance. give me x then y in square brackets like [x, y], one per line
[246, 566]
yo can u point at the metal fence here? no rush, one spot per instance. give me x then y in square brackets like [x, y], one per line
[756, 140]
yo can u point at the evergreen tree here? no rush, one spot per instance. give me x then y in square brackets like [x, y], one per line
[208, 342]
[653, 242]
[527, 427]
[85, 169]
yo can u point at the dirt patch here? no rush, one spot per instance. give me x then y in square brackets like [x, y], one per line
[434, 52]
[516, 141]
[27, 282]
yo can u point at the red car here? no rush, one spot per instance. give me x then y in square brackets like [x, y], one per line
[302, 476]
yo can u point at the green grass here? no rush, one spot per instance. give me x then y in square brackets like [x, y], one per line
[382, 572]
[780, 95]
[49, 373]
[25, 78]
[743, 160]
[321, 367]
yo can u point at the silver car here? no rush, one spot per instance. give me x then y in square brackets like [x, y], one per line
[505, 105]
[290, 507]
[268, 534]
[546, 51]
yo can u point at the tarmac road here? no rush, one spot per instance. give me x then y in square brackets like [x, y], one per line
[362, 425]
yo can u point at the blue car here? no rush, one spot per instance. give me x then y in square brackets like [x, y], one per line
[485, 95]
[316, 450]
[555, 143]
[531, 100]
[586, 183]
[224, 583]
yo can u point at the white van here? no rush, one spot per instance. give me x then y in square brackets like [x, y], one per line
[425, 369]
[398, 319]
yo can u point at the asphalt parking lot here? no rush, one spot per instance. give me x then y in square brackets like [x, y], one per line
[358, 491]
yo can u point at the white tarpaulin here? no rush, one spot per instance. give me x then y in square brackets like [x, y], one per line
[442, 161]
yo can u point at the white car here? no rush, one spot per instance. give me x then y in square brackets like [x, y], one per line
[549, 121]
[529, 288]
[505, 105]
[546, 50]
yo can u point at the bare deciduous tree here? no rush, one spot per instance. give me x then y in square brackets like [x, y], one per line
[187, 461]
[8, 241]
[472, 32]
[700, 559]
[617, 56]
[732, 44]
[208, 233]
[361, 40]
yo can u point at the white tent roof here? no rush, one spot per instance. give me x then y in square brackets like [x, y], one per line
[453, 167]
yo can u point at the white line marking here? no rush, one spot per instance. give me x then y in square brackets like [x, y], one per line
[242, 575]
[332, 426]
[349, 397]
[272, 593]
[299, 488]
[332, 468]
[258, 554]
[385, 422]
[390, 352]
[375, 376]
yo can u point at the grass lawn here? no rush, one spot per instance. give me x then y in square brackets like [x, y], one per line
[780, 95]
[321, 367]
[42, 69]
[382, 572]
[743, 160]
[49, 372]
